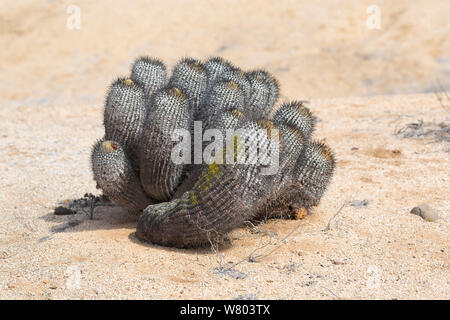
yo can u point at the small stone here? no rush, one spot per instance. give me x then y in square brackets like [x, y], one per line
[425, 212]
[63, 211]
[359, 203]
[336, 262]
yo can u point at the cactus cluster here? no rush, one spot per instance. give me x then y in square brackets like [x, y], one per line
[197, 202]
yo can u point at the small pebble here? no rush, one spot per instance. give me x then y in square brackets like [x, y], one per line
[425, 212]
[336, 262]
[359, 203]
[4, 255]
[45, 238]
[63, 211]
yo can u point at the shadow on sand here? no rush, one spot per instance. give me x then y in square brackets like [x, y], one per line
[108, 217]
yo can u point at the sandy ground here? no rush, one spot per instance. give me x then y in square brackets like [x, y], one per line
[52, 86]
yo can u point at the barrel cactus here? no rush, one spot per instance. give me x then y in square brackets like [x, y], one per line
[241, 160]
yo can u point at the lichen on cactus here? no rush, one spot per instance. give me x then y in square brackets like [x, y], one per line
[268, 167]
[224, 197]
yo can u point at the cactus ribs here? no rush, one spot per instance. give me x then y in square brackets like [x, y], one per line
[189, 205]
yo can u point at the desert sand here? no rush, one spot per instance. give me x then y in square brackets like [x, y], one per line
[380, 96]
